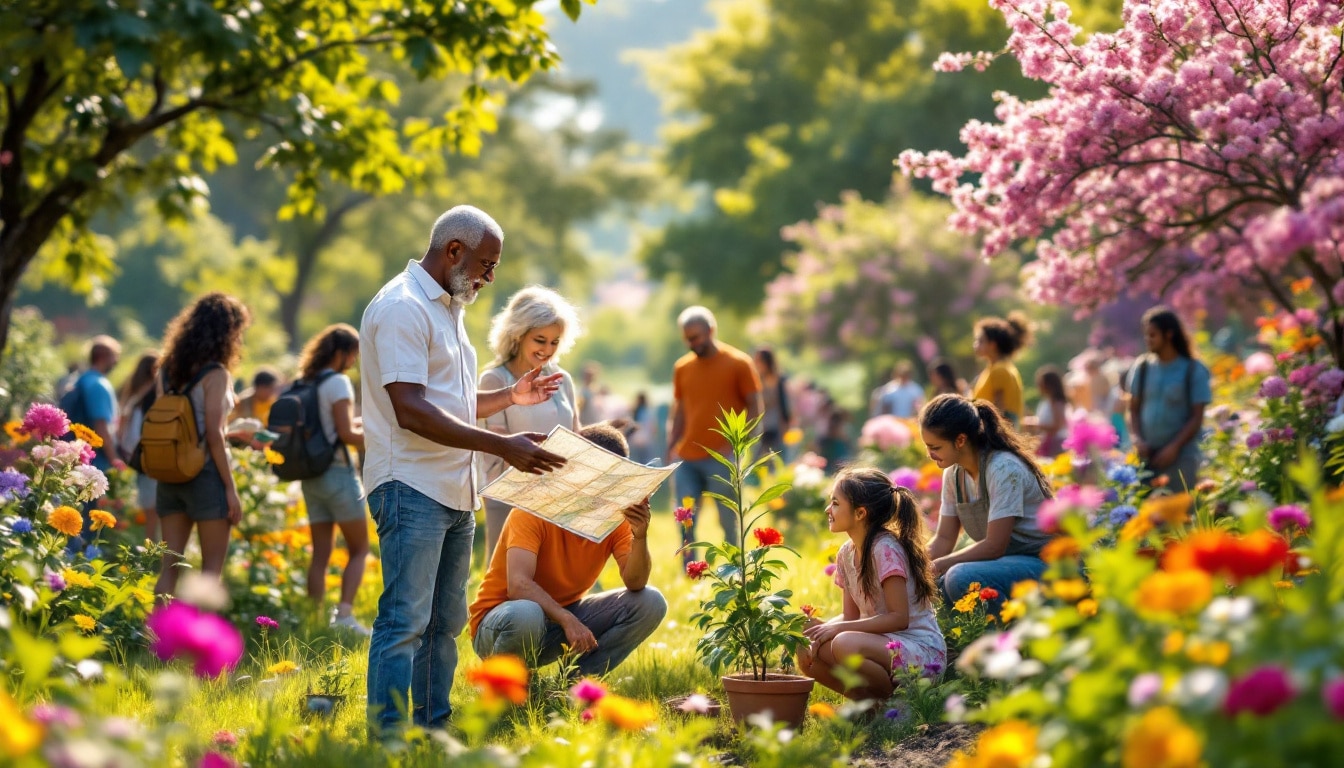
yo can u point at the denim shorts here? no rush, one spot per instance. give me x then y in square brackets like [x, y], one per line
[201, 498]
[335, 496]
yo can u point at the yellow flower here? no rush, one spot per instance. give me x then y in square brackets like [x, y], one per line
[1023, 588]
[1216, 653]
[1283, 584]
[778, 503]
[1061, 548]
[1179, 592]
[282, 667]
[1137, 527]
[1161, 740]
[274, 457]
[956, 631]
[1013, 609]
[626, 714]
[85, 623]
[793, 436]
[101, 519]
[16, 434]
[18, 734]
[67, 520]
[1172, 510]
[1087, 608]
[1061, 466]
[1173, 642]
[1069, 590]
[967, 603]
[1007, 745]
[822, 710]
[143, 596]
[974, 587]
[87, 435]
[75, 578]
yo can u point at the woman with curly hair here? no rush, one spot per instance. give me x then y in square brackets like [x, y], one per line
[996, 341]
[534, 330]
[200, 345]
[335, 499]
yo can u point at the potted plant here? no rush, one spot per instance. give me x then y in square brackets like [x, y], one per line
[748, 628]
[333, 686]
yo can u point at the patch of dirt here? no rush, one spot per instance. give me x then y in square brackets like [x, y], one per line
[932, 746]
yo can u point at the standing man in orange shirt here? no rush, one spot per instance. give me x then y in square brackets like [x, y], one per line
[711, 378]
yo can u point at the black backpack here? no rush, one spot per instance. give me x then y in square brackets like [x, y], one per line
[296, 418]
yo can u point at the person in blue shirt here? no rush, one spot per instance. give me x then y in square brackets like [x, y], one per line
[93, 402]
[1169, 391]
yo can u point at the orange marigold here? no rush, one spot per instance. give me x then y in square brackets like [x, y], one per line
[87, 435]
[67, 520]
[501, 677]
[101, 519]
[626, 714]
[1061, 548]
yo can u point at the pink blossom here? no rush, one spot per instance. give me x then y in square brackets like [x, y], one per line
[1261, 691]
[1332, 693]
[182, 630]
[224, 739]
[55, 714]
[1143, 688]
[829, 570]
[43, 421]
[1281, 518]
[1259, 363]
[1084, 498]
[1089, 434]
[588, 691]
[886, 432]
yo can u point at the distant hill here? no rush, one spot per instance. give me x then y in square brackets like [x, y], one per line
[593, 49]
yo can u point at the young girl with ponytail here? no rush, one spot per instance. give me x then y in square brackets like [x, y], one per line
[888, 588]
[992, 488]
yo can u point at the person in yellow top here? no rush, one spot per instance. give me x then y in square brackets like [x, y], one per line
[997, 340]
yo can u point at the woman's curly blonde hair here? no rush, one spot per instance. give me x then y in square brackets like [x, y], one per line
[209, 330]
[531, 308]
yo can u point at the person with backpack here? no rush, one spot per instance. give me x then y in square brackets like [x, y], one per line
[182, 443]
[1169, 391]
[137, 395]
[333, 496]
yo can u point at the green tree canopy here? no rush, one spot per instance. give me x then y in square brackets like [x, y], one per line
[104, 101]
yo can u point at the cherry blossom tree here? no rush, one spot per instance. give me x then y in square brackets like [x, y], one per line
[1196, 153]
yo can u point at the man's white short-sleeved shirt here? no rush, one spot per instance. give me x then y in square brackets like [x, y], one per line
[412, 331]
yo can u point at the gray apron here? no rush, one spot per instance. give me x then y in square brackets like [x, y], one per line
[974, 515]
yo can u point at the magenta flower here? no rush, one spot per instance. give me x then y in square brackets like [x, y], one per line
[1073, 497]
[1255, 439]
[1088, 435]
[588, 691]
[1274, 387]
[829, 569]
[1280, 518]
[267, 623]
[216, 760]
[1332, 693]
[182, 630]
[55, 581]
[905, 477]
[43, 421]
[1260, 691]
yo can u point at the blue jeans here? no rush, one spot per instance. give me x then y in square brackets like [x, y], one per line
[692, 479]
[426, 553]
[1000, 574]
[619, 619]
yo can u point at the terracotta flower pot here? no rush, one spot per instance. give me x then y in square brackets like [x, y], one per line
[783, 696]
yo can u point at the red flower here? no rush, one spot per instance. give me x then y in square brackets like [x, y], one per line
[768, 537]
[808, 610]
[989, 593]
[696, 568]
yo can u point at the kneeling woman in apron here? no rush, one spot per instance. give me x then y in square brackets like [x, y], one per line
[992, 488]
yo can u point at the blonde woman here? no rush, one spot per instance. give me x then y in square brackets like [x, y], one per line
[534, 330]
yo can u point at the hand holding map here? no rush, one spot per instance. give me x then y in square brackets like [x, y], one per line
[586, 495]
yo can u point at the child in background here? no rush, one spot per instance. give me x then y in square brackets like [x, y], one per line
[889, 591]
[1052, 412]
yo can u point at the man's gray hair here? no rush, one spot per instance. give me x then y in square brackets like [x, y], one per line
[697, 315]
[464, 223]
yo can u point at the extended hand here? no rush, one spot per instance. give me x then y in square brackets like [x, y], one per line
[534, 388]
[523, 453]
[578, 636]
[638, 516]
[821, 634]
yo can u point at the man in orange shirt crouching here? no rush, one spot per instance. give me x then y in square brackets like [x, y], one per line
[535, 595]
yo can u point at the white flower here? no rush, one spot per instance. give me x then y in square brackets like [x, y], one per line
[1335, 425]
[89, 481]
[202, 591]
[697, 703]
[1201, 689]
[1230, 610]
[89, 669]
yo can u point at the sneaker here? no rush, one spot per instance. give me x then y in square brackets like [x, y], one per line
[349, 622]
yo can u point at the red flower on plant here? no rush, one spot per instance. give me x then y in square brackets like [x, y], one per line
[696, 568]
[989, 593]
[808, 610]
[768, 537]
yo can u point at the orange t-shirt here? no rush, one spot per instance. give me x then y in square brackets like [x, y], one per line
[703, 387]
[567, 564]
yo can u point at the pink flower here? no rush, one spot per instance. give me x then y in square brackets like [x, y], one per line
[588, 691]
[1332, 693]
[1143, 688]
[685, 516]
[829, 570]
[224, 739]
[55, 714]
[1260, 691]
[1274, 388]
[886, 432]
[44, 421]
[267, 623]
[1280, 518]
[1087, 435]
[182, 630]
[1259, 363]
[216, 760]
[1084, 498]
[905, 477]
[587, 715]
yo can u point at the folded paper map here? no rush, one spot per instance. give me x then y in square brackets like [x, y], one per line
[586, 495]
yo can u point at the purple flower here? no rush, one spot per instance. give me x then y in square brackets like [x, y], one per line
[22, 525]
[894, 714]
[1331, 383]
[182, 630]
[55, 714]
[1280, 518]
[43, 421]
[13, 485]
[1122, 514]
[1274, 387]
[1255, 439]
[1248, 485]
[906, 477]
[267, 623]
[55, 581]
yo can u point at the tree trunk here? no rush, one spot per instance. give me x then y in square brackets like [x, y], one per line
[291, 303]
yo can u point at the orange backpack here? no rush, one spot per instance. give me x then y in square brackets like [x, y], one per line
[170, 449]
